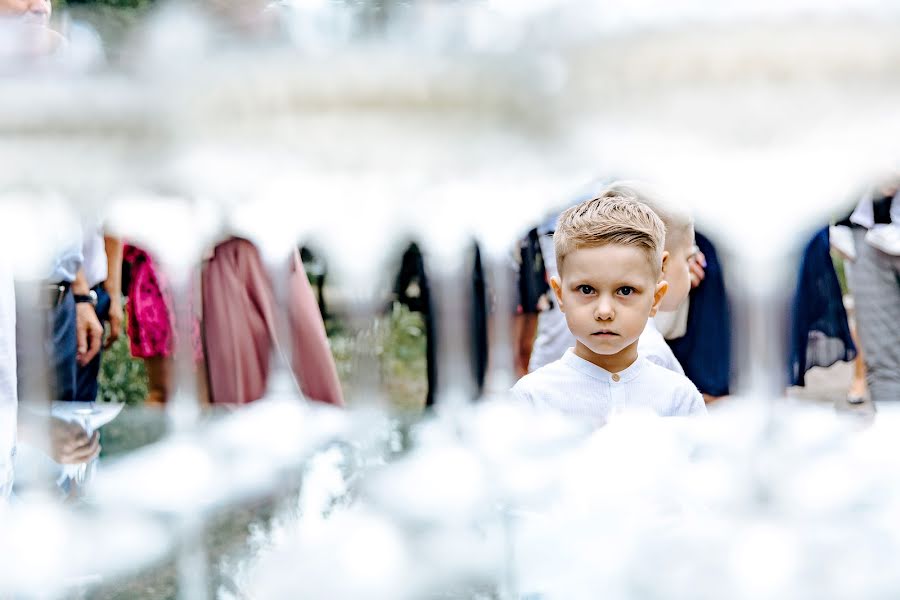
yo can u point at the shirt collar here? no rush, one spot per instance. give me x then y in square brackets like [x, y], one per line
[590, 369]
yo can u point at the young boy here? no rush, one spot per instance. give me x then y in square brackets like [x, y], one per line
[549, 327]
[609, 255]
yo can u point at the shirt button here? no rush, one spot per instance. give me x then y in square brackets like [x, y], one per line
[615, 377]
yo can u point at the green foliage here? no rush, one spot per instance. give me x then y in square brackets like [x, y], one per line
[122, 377]
[403, 348]
[398, 342]
[839, 270]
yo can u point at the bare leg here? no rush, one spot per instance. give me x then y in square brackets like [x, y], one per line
[875, 283]
[858, 388]
[202, 385]
[159, 380]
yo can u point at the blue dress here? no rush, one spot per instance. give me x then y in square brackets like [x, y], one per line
[820, 333]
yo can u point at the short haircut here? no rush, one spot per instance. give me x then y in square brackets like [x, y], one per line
[677, 220]
[616, 216]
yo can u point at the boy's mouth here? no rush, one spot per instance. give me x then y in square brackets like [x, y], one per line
[604, 333]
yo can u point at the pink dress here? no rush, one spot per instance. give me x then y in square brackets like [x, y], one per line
[149, 307]
[239, 326]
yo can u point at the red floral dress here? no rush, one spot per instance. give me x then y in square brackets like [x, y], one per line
[149, 307]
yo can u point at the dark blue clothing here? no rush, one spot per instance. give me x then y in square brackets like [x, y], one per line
[86, 376]
[64, 349]
[820, 333]
[705, 349]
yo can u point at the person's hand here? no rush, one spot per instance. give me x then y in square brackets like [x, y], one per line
[116, 317]
[70, 443]
[697, 265]
[88, 332]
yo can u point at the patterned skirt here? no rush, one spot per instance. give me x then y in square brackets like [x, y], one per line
[149, 307]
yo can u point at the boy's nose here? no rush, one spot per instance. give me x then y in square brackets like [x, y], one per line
[603, 310]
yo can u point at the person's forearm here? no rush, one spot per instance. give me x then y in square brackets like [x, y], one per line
[113, 283]
[80, 285]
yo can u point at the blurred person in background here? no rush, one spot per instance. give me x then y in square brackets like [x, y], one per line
[25, 35]
[236, 326]
[874, 281]
[103, 272]
[540, 328]
[239, 328]
[74, 337]
[29, 42]
[413, 289]
[840, 236]
[31, 12]
[26, 41]
[76, 331]
[820, 331]
[152, 326]
[150, 323]
[699, 333]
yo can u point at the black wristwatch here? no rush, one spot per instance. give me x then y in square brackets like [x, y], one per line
[90, 298]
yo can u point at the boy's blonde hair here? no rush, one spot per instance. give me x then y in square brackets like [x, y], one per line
[678, 221]
[616, 216]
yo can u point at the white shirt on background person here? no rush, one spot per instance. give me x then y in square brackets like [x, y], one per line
[652, 346]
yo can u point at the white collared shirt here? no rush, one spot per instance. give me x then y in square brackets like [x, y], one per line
[93, 251]
[580, 389]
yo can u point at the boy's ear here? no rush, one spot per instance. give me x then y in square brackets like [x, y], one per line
[661, 288]
[557, 291]
[665, 260]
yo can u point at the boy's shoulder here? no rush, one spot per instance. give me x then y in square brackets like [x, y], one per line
[550, 372]
[544, 380]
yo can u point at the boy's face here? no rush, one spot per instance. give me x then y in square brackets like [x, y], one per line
[36, 12]
[677, 272]
[607, 293]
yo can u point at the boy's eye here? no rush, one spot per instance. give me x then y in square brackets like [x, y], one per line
[626, 290]
[585, 289]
